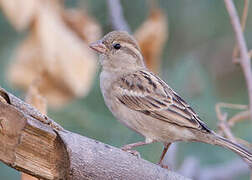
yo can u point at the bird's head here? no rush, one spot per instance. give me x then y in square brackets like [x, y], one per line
[118, 50]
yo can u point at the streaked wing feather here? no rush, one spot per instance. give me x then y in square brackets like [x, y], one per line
[145, 92]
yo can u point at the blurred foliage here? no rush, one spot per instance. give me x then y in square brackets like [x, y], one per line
[196, 63]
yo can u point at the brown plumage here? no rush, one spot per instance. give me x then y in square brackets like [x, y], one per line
[145, 103]
[157, 99]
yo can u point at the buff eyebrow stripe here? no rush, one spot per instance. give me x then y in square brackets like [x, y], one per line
[131, 52]
[129, 42]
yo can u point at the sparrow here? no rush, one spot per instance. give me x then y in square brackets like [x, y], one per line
[143, 102]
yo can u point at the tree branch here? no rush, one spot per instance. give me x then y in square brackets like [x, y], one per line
[238, 117]
[243, 24]
[30, 145]
[245, 59]
[116, 15]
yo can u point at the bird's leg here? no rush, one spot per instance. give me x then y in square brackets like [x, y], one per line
[166, 147]
[128, 147]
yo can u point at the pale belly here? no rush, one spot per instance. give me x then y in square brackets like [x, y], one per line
[150, 128]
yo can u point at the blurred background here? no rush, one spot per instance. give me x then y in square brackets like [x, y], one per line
[188, 42]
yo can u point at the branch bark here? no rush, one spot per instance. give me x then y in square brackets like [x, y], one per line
[29, 144]
[245, 59]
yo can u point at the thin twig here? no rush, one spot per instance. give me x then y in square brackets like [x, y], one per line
[231, 106]
[227, 131]
[223, 124]
[116, 15]
[243, 24]
[244, 60]
[238, 117]
[245, 14]
[244, 143]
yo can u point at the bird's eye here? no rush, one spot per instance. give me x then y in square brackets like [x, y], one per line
[117, 46]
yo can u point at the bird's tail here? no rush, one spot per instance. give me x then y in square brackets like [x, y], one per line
[241, 151]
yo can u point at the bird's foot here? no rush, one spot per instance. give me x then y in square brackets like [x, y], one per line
[133, 152]
[163, 166]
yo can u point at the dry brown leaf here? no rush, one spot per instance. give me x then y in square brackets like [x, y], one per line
[67, 58]
[58, 56]
[28, 63]
[81, 23]
[56, 93]
[151, 36]
[20, 12]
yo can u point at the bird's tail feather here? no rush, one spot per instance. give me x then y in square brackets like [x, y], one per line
[241, 151]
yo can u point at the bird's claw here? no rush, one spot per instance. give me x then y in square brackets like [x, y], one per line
[133, 152]
[163, 166]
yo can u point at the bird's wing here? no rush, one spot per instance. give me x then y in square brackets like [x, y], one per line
[145, 92]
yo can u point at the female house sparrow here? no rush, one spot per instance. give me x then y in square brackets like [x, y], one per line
[145, 103]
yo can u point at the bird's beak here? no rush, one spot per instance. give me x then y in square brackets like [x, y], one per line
[98, 46]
